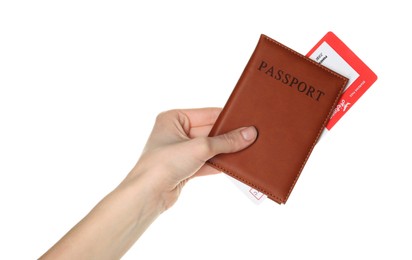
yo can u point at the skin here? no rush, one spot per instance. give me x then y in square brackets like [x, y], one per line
[175, 152]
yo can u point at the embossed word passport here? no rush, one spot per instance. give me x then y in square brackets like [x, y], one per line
[288, 98]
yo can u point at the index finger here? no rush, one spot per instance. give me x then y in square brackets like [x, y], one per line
[202, 116]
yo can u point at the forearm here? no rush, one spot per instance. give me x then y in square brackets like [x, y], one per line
[176, 151]
[112, 226]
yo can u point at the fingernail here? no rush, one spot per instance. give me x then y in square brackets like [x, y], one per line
[249, 133]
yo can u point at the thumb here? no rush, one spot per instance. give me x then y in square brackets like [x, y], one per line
[232, 141]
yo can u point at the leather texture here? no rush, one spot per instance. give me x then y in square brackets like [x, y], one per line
[289, 99]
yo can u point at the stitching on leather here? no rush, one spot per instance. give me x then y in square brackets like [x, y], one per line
[247, 182]
[317, 137]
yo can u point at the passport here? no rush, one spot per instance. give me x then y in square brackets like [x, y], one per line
[289, 98]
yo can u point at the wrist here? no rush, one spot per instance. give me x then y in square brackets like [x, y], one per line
[143, 191]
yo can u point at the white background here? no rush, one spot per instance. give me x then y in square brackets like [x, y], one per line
[81, 83]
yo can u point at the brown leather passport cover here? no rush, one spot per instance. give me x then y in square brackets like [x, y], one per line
[289, 99]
